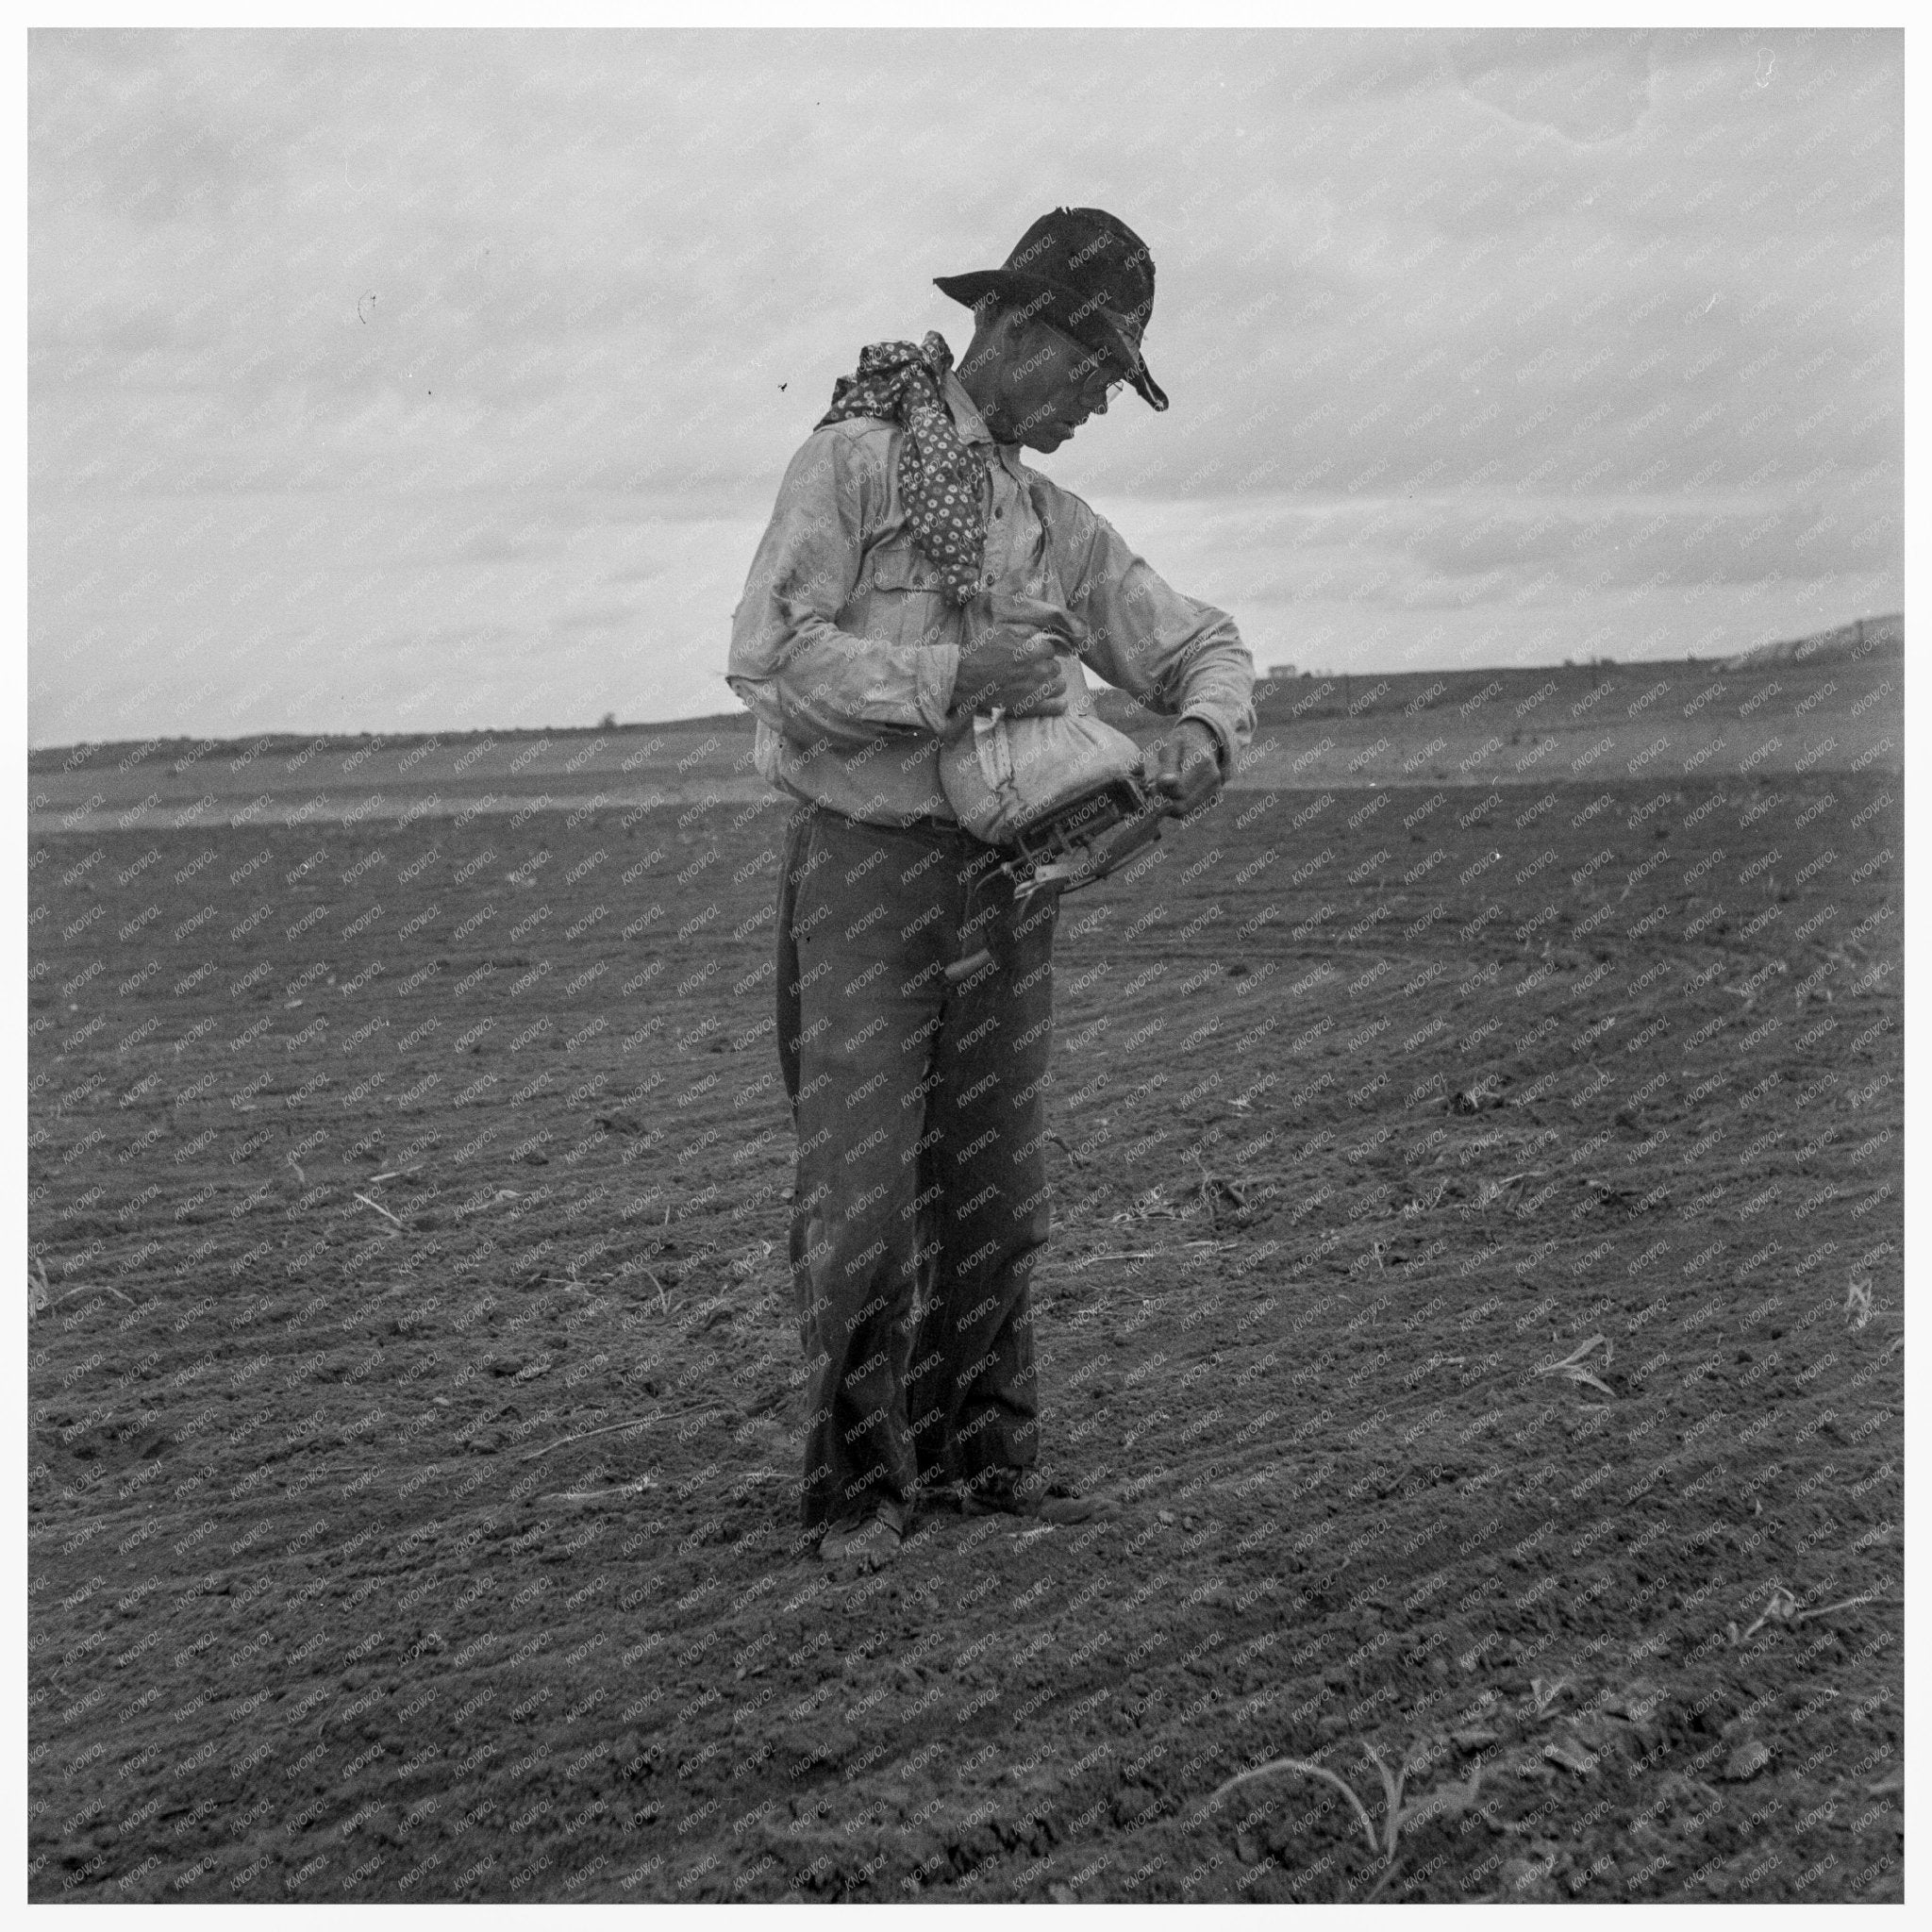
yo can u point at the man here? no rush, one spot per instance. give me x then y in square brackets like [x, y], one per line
[866, 640]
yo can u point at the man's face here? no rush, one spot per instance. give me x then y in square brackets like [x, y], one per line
[1046, 386]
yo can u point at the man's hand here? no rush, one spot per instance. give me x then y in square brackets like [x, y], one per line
[1189, 771]
[1010, 669]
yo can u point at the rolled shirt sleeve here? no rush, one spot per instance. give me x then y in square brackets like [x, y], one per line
[1175, 654]
[790, 662]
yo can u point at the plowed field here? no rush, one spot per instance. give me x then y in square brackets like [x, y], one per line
[1477, 1265]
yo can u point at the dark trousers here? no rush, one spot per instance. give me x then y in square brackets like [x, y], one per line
[920, 1205]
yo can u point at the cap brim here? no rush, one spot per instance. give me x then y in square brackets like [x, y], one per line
[1057, 303]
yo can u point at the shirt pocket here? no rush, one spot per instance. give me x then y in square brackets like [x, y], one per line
[901, 597]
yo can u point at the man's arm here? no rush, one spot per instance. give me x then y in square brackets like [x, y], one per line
[1173, 654]
[790, 662]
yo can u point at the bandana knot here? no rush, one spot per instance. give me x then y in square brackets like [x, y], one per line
[940, 477]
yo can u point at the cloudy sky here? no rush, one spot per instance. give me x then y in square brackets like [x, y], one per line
[396, 381]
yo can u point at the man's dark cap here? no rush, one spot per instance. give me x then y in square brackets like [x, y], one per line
[1086, 272]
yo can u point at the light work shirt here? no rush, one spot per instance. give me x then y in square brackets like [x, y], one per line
[845, 647]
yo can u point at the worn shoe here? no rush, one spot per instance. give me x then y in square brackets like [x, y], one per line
[1028, 1493]
[863, 1543]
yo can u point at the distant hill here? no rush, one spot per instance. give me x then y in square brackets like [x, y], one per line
[126, 754]
[1817, 697]
[1868, 637]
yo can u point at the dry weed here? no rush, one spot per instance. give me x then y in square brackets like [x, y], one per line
[1545, 1691]
[1572, 1368]
[639, 1422]
[1783, 1608]
[1150, 1206]
[40, 1298]
[1859, 1308]
[1211, 1189]
[1447, 1801]
[1571, 1756]
[1306, 1770]
[618, 1492]
[379, 1209]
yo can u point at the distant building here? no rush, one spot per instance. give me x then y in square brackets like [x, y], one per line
[1278, 672]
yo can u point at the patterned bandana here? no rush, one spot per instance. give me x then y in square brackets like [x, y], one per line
[940, 476]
